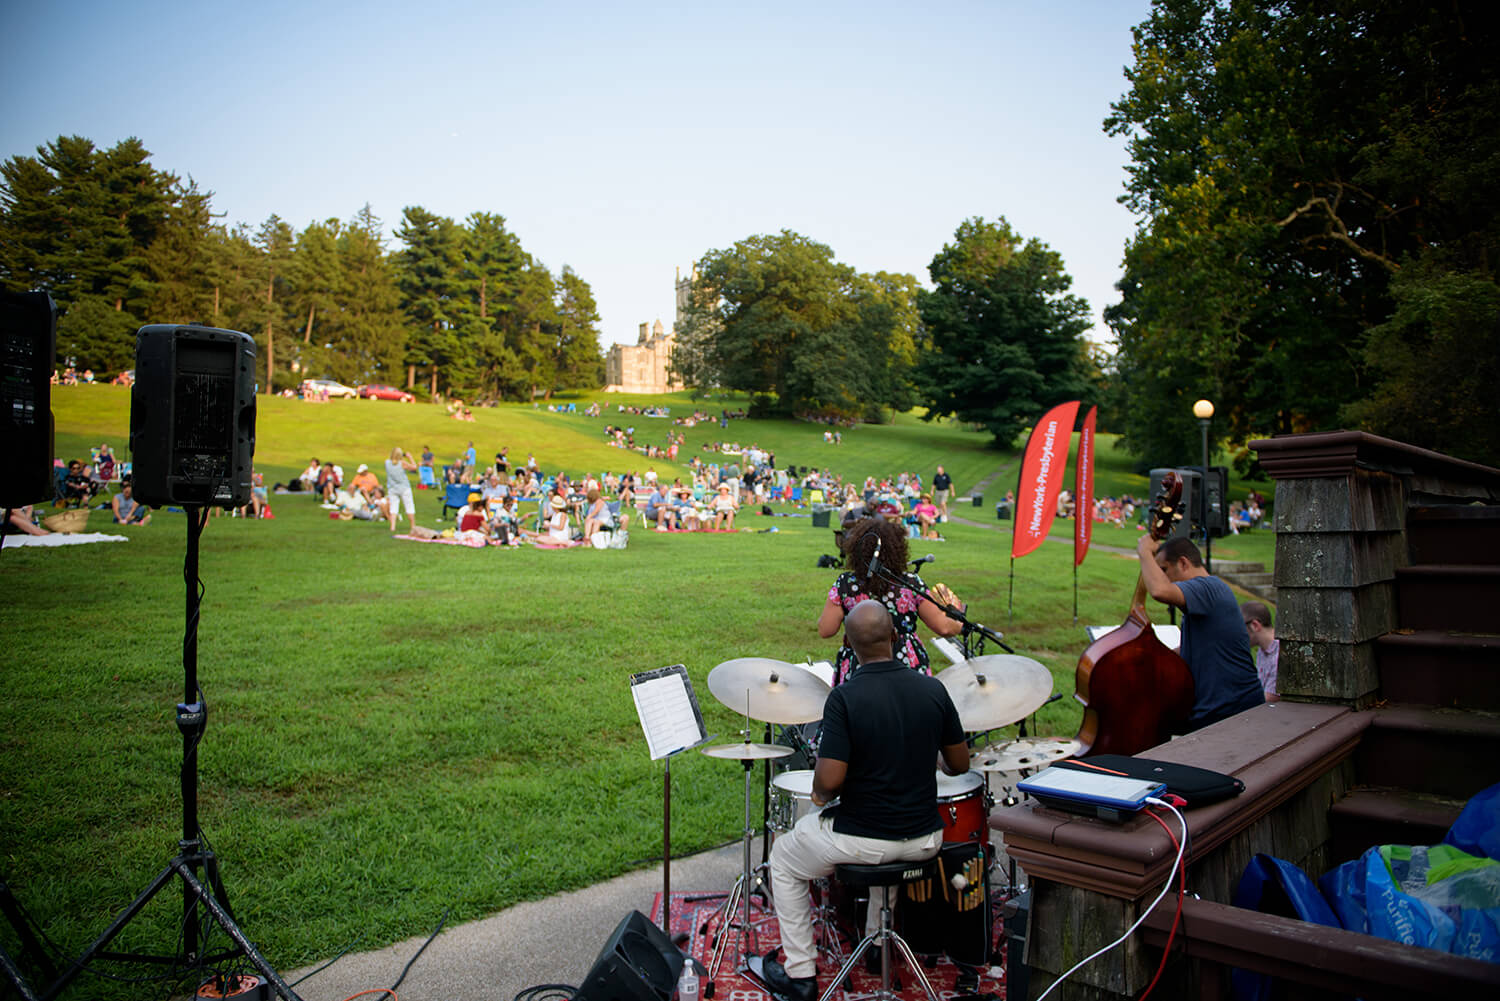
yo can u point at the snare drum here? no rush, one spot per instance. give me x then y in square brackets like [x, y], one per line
[791, 797]
[962, 807]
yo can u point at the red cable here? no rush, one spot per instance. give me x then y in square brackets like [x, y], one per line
[1181, 892]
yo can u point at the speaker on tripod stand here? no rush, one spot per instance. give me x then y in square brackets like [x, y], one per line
[192, 416]
[192, 440]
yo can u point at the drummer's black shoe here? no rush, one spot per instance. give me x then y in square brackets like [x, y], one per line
[788, 988]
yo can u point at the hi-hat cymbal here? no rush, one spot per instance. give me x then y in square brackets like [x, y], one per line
[745, 751]
[771, 691]
[996, 690]
[1024, 754]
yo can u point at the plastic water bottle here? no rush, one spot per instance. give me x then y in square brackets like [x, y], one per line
[687, 984]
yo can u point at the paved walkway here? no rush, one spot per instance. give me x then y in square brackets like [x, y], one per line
[549, 941]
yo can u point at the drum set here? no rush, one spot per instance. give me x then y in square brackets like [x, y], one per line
[991, 693]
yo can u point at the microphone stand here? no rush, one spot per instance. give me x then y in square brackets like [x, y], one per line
[914, 583]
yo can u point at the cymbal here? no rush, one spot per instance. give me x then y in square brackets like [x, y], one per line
[745, 751]
[771, 691]
[1026, 753]
[996, 690]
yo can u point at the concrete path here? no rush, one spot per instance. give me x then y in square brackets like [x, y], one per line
[549, 941]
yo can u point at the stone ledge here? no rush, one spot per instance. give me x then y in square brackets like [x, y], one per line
[1276, 750]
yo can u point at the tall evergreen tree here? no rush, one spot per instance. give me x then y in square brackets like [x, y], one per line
[431, 283]
[371, 343]
[578, 361]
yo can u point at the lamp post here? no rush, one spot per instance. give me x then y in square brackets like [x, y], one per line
[1204, 411]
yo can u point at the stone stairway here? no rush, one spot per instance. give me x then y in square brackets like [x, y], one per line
[1251, 577]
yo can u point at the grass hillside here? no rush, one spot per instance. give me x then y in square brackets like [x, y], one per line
[395, 728]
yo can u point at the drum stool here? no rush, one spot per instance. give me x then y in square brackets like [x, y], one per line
[885, 877]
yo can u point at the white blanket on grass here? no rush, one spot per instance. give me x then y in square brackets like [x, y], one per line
[61, 539]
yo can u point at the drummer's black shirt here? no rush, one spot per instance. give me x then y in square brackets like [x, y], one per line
[887, 723]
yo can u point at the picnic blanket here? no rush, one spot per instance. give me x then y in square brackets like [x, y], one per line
[61, 539]
[472, 541]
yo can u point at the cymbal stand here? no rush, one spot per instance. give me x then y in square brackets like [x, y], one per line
[739, 895]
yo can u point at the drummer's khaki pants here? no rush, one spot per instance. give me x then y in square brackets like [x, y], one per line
[810, 850]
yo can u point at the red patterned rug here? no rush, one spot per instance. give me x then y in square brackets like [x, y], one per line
[932, 932]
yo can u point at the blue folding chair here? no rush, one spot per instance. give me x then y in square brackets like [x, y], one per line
[426, 477]
[456, 496]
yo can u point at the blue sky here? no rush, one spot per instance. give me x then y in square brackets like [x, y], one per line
[624, 140]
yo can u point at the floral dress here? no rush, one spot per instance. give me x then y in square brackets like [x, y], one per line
[902, 603]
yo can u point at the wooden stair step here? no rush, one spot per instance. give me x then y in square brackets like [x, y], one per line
[1453, 533]
[1436, 668]
[1443, 752]
[1448, 596]
[1380, 815]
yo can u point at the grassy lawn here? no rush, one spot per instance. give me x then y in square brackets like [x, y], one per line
[394, 728]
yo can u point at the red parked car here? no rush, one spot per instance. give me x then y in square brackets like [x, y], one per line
[379, 392]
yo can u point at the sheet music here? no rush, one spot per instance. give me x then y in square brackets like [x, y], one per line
[669, 711]
[1170, 636]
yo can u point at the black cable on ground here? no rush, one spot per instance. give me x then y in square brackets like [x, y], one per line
[338, 956]
[545, 992]
[391, 990]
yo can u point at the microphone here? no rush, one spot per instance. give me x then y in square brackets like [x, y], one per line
[875, 567]
[929, 558]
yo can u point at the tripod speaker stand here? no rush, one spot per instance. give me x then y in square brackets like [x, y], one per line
[193, 855]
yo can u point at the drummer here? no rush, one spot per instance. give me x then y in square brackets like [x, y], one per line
[886, 785]
[906, 606]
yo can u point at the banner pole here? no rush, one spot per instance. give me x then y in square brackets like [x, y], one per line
[1075, 594]
[1010, 611]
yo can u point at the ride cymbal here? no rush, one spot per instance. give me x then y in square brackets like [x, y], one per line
[771, 691]
[995, 690]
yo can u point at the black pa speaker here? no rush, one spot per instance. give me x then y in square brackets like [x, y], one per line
[192, 416]
[28, 350]
[638, 963]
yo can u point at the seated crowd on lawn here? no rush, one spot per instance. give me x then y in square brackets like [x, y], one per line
[708, 497]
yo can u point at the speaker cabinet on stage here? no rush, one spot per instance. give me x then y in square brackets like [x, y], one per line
[192, 416]
[638, 963]
[28, 350]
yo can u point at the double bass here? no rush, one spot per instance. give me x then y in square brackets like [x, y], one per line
[1134, 689]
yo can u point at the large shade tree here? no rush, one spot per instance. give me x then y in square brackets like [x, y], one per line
[778, 316]
[1006, 337]
[1316, 185]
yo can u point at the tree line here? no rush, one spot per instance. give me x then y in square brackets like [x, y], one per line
[456, 308]
[995, 342]
[1317, 185]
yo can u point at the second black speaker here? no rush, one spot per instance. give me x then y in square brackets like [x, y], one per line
[638, 963]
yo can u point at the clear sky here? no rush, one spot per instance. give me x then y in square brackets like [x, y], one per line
[623, 139]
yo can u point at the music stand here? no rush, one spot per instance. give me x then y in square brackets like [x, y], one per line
[673, 722]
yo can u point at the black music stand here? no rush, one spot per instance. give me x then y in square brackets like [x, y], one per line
[673, 722]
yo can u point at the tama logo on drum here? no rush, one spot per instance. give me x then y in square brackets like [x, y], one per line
[912, 874]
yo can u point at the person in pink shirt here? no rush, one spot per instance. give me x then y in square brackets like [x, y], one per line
[927, 516]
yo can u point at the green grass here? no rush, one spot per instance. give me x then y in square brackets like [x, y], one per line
[395, 728]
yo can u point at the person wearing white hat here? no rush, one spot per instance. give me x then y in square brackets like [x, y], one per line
[724, 508]
[557, 522]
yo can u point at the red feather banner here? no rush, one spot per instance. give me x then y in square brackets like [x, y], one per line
[1042, 477]
[1083, 486]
